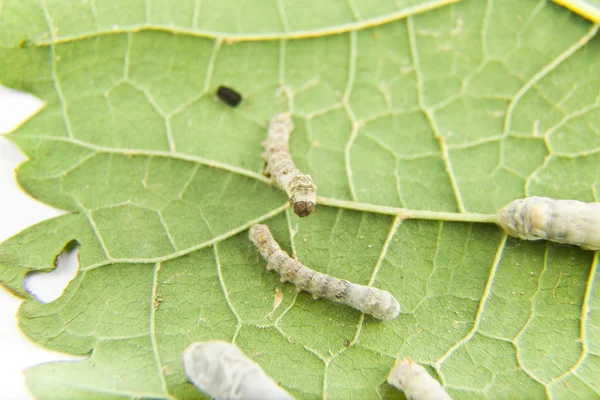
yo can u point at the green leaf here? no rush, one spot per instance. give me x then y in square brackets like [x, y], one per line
[28, 22]
[447, 115]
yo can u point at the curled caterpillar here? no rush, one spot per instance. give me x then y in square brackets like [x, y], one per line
[562, 221]
[223, 372]
[376, 302]
[299, 187]
[415, 382]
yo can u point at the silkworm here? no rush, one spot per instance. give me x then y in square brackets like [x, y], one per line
[229, 96]
[562, 221]
[415, 382]
[299, 187]
[376, 302]
[223, 372]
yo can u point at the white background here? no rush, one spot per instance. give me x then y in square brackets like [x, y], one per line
[17, 212]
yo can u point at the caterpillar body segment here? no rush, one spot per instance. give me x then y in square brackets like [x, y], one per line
[223, 372]
[415, 382]
[299, 187]
[376, 302]
[562, 221]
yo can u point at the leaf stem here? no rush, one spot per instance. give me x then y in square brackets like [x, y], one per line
[405, 213]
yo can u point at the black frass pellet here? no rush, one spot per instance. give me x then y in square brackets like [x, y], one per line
[229, 96]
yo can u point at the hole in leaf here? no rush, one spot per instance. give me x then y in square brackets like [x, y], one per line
[49, 286]
[16, 107]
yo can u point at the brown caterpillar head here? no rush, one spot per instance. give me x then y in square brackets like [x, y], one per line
[303, 208]
[303, 195]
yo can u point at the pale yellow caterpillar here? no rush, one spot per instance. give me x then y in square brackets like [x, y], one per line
[415, 382]
[220, 370]
[376, 302]
[299, 187]
[562, 221]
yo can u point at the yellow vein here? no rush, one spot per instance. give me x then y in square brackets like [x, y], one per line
[405, 213]
[482, 303]
[92, 222]
[283, 16]
[167, 231]
[57, 87]
[354, 10]
[292, 232]
[196, 14]
[70, 168]
[226, 293]
[163, 383]
[94, 12]
[148, 11]
[395, 224]
[156, 153]
[574, 114]
[241, 37]
[127, 58]
[327, 201]
[199, 246]
[428, 113]
[293, 302]
[586, 308]
[545, 71]
[355, 126]
[526, 325]
[211, 64]
[450, 170]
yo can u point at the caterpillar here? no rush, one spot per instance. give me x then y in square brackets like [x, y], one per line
[299, 187]
[220, 370]
[562, 221]
[376, 302]
[415, 382]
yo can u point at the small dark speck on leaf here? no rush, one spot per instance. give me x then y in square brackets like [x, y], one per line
[229, 96]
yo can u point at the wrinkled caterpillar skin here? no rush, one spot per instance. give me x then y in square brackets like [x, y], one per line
[220, 370]
[562, 221]
[415, 382]
[299, 187]
[376, 302]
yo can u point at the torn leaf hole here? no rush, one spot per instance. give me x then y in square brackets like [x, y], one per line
[46, 287]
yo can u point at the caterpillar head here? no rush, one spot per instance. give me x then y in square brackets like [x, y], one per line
[303, 195]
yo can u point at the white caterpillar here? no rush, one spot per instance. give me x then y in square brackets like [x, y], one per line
[562, 221]
[415, 382]
[223, 372]
[376, 302]
[299, 187]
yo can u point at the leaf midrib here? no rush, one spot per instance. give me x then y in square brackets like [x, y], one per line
[405, 213]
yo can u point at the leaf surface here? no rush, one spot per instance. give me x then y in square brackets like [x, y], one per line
[448, 113]
[29, 22]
